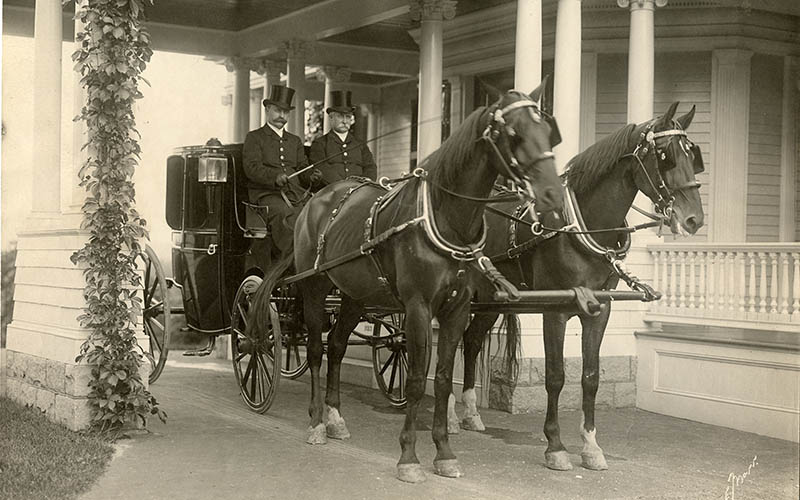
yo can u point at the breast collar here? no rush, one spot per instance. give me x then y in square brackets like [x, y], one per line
[574, 222]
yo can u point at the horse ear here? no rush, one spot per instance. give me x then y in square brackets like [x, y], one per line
[537, 94]
[670, 112]
[686, 119]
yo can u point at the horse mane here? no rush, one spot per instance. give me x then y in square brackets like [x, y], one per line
[588, 167]
[456, 153]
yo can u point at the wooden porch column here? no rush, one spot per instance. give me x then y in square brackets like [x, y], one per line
[241, 96]
[528, 49]
[331, 75]
[791, 80]
[46, 168]
[271, 71]
[730, 107]
[567, 80]
[255, 108]
[429, 128]
[296, 51]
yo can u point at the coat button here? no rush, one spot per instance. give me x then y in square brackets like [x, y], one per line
[345, 153]
[281, 148]
[281, 157]
[344, 145]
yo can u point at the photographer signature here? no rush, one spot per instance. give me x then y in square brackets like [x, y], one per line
[736, 480]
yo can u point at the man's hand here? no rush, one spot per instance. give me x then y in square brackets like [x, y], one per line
[281, 180]
[316, 176]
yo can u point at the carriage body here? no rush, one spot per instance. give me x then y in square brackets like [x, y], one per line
[210, 244]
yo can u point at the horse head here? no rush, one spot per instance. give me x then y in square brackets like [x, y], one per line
[668, 163]
[524, 137]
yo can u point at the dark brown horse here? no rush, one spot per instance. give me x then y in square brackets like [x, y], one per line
[655, 158]
[411, 253]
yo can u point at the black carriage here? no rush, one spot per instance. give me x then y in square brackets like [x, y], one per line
[220, 252]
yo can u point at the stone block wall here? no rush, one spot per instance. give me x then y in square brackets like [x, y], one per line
[58, 389]
[528, 392]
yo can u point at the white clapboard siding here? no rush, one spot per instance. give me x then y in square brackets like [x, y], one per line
[395, 129]
[764, 145]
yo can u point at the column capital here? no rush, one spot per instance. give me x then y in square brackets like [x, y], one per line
[239, 63]
[732, 56]
[333, 74]
[256, 94]
[226, 100]
[297, 49]
[641, 4]
[269, 67]
[432, 10]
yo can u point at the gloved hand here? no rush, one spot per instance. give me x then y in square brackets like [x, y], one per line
[316, 176]
[281, 180]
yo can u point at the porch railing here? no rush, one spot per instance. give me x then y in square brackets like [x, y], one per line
[747, 285]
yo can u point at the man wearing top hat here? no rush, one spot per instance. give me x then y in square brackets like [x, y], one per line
[270, 156]
[338, 152]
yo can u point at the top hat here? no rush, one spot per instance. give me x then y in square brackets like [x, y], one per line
[340, 102]
[280, 96]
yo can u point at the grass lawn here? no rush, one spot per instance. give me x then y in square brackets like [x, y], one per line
[43, 460]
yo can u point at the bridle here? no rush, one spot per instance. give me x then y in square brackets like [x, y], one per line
[512, 169]
[647, 145]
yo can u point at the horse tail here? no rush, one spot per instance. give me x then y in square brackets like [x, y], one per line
[513, 345]
[259, 310]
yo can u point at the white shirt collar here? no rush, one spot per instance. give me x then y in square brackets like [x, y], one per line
[278, 131]
[341, 136]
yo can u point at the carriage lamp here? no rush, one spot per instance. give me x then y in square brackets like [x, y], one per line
[213, 165]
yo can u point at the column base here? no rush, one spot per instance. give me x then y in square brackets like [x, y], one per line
[528, 392]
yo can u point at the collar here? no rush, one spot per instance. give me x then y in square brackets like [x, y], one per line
[278, 131]
[342, 137]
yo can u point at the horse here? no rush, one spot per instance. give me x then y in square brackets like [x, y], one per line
[408, 249]
[655, 158]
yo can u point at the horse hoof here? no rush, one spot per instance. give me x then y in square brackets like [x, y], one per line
[411, 473]
[557, 460]
[594, 461]
[337, 430]
[473, 423]
[452, 427]
[316, 435]
[447, 468]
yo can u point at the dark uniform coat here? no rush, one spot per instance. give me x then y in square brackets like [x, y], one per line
[355, 157]
[265, 156]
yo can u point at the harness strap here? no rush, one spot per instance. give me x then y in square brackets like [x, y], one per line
[494, 276]
[334, 213]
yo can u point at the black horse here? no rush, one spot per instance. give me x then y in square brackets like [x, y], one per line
[655, 158]
[410, 249]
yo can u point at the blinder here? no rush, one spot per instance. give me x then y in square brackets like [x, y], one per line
[697, 162]
[555, 134]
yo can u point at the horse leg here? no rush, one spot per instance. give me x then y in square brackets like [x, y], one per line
[473, 343]
[452, 322]
[418, 324]
[555, 324]
[314, 290]
[592, 336]
[349, 316]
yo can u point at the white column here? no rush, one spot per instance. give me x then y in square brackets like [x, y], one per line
[528, 49]
[567, 83]
[48, 33]
[255, 108]
[789, 150]
[730, 107]
[429, 128]
[79, 137]
[227, 101]
[331, 75]
[271, 70]
[241, 96]
[588, 99]
[296, 51]
[641, 58]
[372, 127]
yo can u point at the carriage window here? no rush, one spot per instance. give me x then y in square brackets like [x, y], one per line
[196, 213]
[174, 191]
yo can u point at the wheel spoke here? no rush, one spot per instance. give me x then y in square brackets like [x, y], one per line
[387, 363]
[247, 372]
[297, 355]
[394, 372]
[254, 379]
[242, 315]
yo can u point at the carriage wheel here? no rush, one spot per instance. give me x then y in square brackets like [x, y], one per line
[390, 357]
[294, 362]
[254, 357]
[155, 311]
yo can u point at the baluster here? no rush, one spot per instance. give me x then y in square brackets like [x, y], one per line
[730, 272]
[773, 283]
[692, 269]
[752, 288]
[664, 282]
[682, 280]
[701, 291]
[656, 275]
[673, 281]
[784, 303]
[741, 286]
[796, 287]
[712, 261]
[762, 283]
[723, 293]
